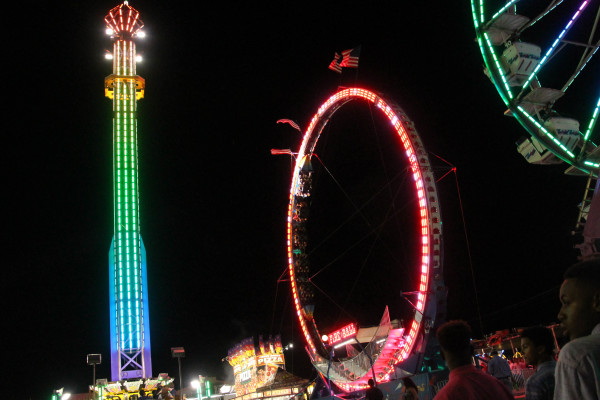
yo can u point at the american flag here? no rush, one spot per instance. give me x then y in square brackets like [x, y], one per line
[289, 121]
[335, 64]
[277, 152]
[350, 58]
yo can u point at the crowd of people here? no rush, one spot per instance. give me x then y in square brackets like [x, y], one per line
[161, 392]
[574, 375]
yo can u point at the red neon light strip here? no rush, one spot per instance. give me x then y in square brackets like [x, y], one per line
[423, 212]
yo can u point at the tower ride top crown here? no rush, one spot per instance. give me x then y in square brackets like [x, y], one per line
[124, 21]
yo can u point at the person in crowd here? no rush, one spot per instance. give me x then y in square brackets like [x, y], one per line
[373, 392]
[156, 391]
[410, 391]
[499, 368]
[465, 382]
[538, 350]
[578, 366]
[165, 393]
[142, 392]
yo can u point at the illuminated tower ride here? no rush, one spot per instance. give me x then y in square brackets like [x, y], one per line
[128, 283]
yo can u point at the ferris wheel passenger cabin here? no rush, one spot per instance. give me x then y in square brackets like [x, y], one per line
[566, 130]
[506, 26]
[521, 59]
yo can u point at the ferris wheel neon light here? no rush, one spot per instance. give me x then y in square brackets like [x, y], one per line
[519, 94]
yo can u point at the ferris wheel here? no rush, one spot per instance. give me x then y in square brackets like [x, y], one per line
[542, 58]
[388, 344]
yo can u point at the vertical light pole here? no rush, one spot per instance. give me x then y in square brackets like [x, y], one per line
[93, 359]
[178, 353]
[290, 346]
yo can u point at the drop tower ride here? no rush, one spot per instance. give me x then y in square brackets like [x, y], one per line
[128, 282]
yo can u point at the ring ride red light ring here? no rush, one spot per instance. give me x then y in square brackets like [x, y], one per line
[427, 200]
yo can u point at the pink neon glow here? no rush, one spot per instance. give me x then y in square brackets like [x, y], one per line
[341, 334]
[306, 149]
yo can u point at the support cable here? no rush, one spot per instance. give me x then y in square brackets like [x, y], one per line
[462, 215]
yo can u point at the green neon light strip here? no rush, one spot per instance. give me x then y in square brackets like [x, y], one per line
[593, 121]
[127, 239]
[475, 19]
[505, 91]
[545, 131]
[498, 66]
[481, 10]
[500, 11]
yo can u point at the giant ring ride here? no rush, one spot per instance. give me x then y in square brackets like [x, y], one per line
[542, 58]
[388, 345]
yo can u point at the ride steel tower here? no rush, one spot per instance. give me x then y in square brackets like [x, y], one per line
[128, 283]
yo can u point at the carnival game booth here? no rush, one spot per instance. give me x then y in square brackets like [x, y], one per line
[260, 373]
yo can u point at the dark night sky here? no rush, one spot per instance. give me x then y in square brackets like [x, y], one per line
[213, 199]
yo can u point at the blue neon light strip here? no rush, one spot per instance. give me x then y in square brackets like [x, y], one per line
[499, 79]
[556, 42]
[127, 244]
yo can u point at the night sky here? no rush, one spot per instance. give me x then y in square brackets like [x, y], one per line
[213, 198]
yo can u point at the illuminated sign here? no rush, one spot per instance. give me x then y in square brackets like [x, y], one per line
[246, 376]
[270, 359]
[347, 332]
[255, 368]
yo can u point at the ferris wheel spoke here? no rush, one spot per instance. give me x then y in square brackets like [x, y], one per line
[587, 56]
[535, 20]
[533, 83]
[558, 40]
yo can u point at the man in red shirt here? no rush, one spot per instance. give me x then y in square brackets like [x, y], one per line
[466, 382]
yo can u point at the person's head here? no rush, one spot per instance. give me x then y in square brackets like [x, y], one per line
[408, 383]
[537, 344]
[455, 340]
[371, 382]
[580, 298]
